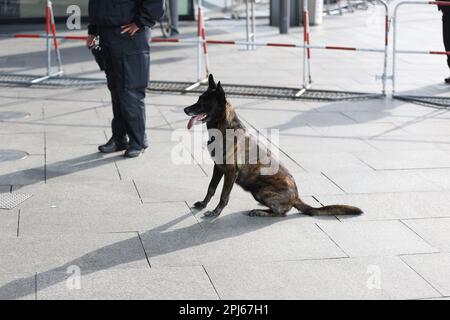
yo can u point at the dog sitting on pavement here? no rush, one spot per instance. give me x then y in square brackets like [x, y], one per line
[275, 190]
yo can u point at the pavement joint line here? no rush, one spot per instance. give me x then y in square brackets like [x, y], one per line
[318, 201]
[118, 171]
[212, 283]
[18, 223]
[366, 142]
[413, 231]
[143, 249]
[193, 213]
[406, 169]
[426, 218]
[333, 182]
[73, 112]
[35, 286]
[163, 116]
[45, 157]
[364, 162]
[428, 282]
[278, 147]
[329, 237]
[347, 116]
[137, 190]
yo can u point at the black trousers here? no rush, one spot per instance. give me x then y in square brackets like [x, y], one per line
[127, 60]
[446, 31]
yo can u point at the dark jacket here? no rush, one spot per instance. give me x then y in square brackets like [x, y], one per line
[444, 9]
[116, 13]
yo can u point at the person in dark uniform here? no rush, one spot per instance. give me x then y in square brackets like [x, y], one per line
[123, 27]
[446, 31]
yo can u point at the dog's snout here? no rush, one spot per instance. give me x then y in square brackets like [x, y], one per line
[187, 110]
[190, 111]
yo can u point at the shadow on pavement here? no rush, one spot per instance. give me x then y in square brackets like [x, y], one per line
[118, 253]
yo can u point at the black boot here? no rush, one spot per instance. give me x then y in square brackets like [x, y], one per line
[113, 146]
[447, 80]
[133, 153]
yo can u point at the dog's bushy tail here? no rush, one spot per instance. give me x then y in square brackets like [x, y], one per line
[334, 210]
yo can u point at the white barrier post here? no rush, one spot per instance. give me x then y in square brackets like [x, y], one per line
[199, 44]
[47, 31]
[394, 44]
[55, 40]
[306, 52]
[386, 47]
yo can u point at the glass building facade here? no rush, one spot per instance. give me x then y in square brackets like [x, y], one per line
[35, 9]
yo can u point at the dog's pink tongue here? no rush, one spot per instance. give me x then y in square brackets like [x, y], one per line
[194, 120]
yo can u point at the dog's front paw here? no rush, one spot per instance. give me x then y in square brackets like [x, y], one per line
[212, 213]
[200, 205]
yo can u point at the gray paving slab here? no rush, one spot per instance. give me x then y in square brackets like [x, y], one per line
[53, 193]
[31, 143]
[389, 206]
[384, 181]
[69, 138]
[81, 163]
[26, 171]
[86, 217]
[363, 130]
[428, 128]
[229, 239]
[406, 159]
[375, 238]
[434, 268]
[435, 231]
[313, 183]
[329, 161]
[160, 161]
[58, 252]
[169, 189]
[9, 221]
[413, 143]
[185, 283]
[440, 177]
[350, 278]
[21, 286]
[312, 145]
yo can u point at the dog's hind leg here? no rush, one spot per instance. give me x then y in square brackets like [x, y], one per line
[278, 205]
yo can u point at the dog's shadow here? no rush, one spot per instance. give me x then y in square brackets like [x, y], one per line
[159, 241]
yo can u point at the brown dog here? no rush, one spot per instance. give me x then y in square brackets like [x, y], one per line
[277, 191]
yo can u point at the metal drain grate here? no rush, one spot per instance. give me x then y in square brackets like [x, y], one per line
[5, 116]
[12, 79]
[443, 102]
[262, 91]
[12, 155]
[9, 201]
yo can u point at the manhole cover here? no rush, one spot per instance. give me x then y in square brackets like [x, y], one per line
[12, 155]
[5, 116]
[11, 200]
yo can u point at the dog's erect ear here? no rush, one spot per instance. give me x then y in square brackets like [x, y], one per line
[212, 83]
[220, 91]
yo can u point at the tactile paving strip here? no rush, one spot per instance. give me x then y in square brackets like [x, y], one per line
[13, 79]
[263, 91]
[266, 92]
[443, 102]
[11, 200]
